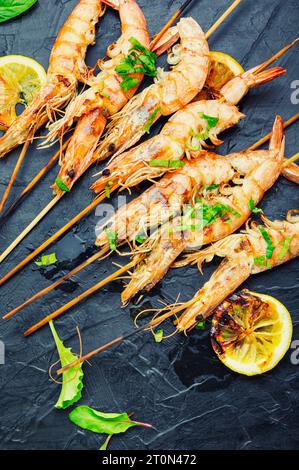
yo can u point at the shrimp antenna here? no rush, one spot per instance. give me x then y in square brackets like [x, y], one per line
[88, 262]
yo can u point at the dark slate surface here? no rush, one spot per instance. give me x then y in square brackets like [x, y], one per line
[179, 386]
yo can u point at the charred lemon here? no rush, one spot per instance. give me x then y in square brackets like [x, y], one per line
[251, 332]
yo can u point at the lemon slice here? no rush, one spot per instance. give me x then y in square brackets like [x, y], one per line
[223, 68]
[251, 332]
[21, 78]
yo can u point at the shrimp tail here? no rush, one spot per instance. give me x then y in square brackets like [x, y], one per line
[171, 36]
[291, 173]
[266, 76]
[277, 141]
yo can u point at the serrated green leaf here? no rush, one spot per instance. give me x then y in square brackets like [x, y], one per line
[72, 379]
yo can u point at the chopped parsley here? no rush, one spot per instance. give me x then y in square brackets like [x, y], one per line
[201, 325]
[159, 335]
[139, 60]
[270, 247]
[107, 189]
[253, 208]
[285, 248]
[112, 238]
[47, 260]
[150, 122]
[212, 186]
[262, 261]
[167, 163]
[61, 185]
[140, 239]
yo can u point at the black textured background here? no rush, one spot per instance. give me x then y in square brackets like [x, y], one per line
[179, 386]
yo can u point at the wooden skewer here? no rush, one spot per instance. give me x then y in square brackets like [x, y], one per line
[33, 182]
[276, 56]
[291, 160]
[263, 140]
[82, 296]
[53, 238]
[15, 173]
[53, 286]
[99, 285]
[222, 18]
[122, 338]
[70, 224]
[169, 23]
[28, 229]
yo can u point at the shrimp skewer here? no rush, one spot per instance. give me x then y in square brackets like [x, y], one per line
[240, 252]
[104, 97]
[66, 68]
[221, 214]
[171, 203]
[185, 130]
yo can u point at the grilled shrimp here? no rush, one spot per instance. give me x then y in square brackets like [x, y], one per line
[184, 131]
[253, 172]
[104, 98]
[66, 68]
[244, 254]
[164, 97]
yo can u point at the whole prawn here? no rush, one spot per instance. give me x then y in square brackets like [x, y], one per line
[66, 68]
[104, 97]
[244, 254]
[254, 172]
[186, 130]
[164, 97]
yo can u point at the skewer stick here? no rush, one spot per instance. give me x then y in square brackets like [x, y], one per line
[120, 339]
[222, 18]
[77, 218]
[169, 23]
[28, 229]
[33, 182]
[288, 161]
[276, 56]
[14, 173]
[265, 139]
[110, 278]
[53, 286]
[82, 296]
[53, 238]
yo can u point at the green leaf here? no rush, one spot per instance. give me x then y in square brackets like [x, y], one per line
[46, 260]
[212, 186]
[151, 119]
[270, 246]
[107, 189]
[201, 325]
[99, 422]
[61, 185]
[105, 445]
[128, 83]
[159, 335]
[12, 8]
[112, 238]
[140, 239]
[253, 208]
[72, 379]
[262, 261]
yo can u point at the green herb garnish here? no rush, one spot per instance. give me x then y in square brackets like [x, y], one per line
[112, 239]
[253, 208]
[201, 325]
[210, 120]
[140, 239]
[61, 185]
[47, 260]
[286, 244]
[270, 246]
[167, 163]
[103, 423]
[139, 60]
[152, 117]
[159, 335]
[72, 379]
[262, 261]
[211, 187]
[107, 189]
